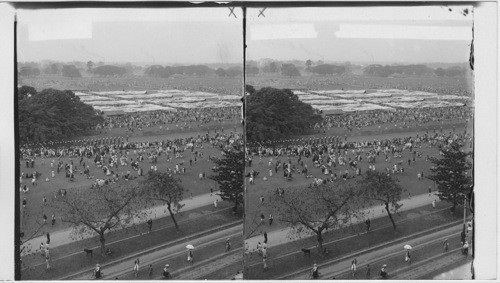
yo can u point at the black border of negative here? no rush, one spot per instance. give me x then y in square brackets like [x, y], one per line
[32, 5]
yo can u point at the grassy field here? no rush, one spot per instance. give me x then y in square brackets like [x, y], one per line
[409, 181]
[190, 180]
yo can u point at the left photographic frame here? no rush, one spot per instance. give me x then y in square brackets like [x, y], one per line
[129, 154]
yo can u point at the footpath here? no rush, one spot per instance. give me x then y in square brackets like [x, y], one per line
[65, 236]
[281, 236]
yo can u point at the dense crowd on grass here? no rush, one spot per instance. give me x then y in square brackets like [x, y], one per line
[415, 116]
[339, 158]
[149, 119]
[119, 159]
[451, 86]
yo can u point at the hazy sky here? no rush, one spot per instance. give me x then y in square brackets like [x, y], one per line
[166, 36]
[376, 34]
[131, 35]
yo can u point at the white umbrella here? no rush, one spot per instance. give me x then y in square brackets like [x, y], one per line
[407, 247]
[190, 247]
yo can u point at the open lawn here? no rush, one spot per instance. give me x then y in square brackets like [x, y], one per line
[190, 180]
[408, 180]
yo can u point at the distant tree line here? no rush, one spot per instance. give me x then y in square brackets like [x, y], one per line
[191, 70]
[53, 114]
[415, 70]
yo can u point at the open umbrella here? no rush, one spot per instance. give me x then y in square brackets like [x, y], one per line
[407, 247]
[190, 247]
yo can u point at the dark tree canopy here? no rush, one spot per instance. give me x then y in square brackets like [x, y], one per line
[220, 72]
[71, 71]
[289, 70]
[275, 113]
[229, 175]
[328, 69]
[450, 174]
[54, 114]
[25, 91]
[167, 71]
[108, 70]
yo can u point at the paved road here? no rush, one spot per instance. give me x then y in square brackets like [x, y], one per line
[427, 256]
[64, 236]
[209, 254]
[279, 237]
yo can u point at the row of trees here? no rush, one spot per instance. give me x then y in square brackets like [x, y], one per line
[75, 70]
[319, 208]
[116, 206]
[53, 114]
[192, 70]
[418, 70]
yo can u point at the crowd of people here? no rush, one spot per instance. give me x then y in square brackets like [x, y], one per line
[111, 155]
[416, 116]
[338, 158]
[137, 121]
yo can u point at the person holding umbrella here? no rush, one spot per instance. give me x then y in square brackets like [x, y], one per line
[407, 256]
[190, 258]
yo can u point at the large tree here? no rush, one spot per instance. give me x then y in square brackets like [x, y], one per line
[229, 175]
[450, 172]
[275, 113]
[53, 114]
[382, 188]
[101, 209]
[290, 70]
[162, 186]
[316, 209]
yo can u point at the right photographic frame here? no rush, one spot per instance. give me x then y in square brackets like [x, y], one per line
[360, 143]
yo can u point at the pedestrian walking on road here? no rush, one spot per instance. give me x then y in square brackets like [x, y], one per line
[190, 256]
[53, 219]
[150, 271]
[136, 267]
[368, 271]
[48, 238]
[465, 249]
[259, 248]
[434, 204]
[383, 272]
[430, 190]
[264, 261]
[215, 204]
[368, 224]
[44, 219]
[445, 245]
[265, 237]
[354, 262]
[271, 219]
[315, 271]
[407, 256]
[228, 245]
[42, 249]
[150, 225]
[47, 261]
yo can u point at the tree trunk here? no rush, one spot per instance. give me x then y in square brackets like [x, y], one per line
[319, 237]
[172, 215]
[390, 215]
[103, 243]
